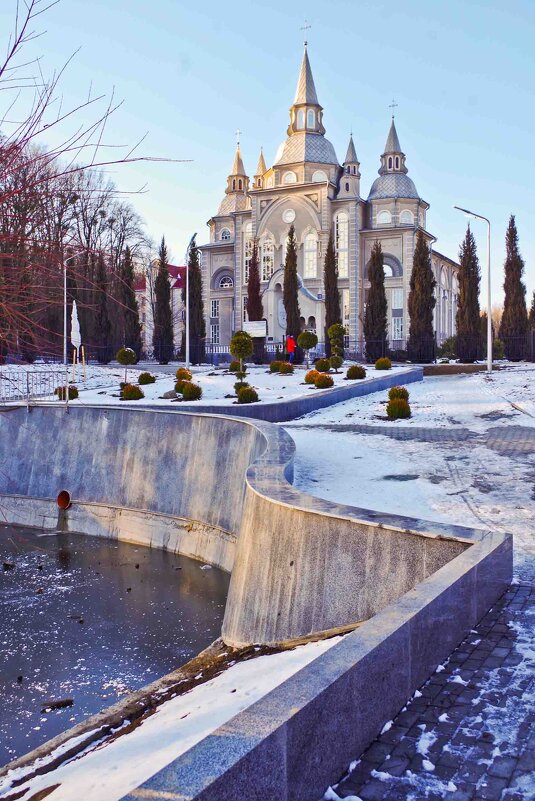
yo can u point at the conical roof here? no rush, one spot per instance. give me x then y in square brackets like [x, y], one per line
[392, 142]
[237, 167]
[261, 166]
[351, 155]
[306, 91]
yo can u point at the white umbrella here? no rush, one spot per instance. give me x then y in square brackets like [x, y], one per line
[76, 337]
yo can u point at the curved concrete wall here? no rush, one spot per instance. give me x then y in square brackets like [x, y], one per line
[302, 565]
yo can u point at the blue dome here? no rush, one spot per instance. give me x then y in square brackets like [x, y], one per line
[393, 184]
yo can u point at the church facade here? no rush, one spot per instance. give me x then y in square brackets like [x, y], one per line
[308, 188]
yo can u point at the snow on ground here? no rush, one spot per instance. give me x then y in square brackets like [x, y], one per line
[102, 383]
[464, 481]
[110, 771]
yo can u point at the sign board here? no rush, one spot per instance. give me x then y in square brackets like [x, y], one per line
[256, 328]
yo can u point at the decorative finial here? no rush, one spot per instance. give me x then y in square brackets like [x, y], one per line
[306, 27]
[393, 105]
[238, 134]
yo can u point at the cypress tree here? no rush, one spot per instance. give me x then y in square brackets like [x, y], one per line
[375, 314]
[514, 324]
[255, 309]
[162, 337]
[531, 318]
[102, 335]
[467, 320]
[332, 295]
[421, 344]
[291, 286]
[128, 312]
[197, 325]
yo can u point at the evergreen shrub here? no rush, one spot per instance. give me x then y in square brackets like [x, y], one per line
[324, 381]
[355, 371]
[131, 392]
[179, 386]
[191, 391]
[183, 374]
[398, 392]
[323, 365]
[310, 377]
[247, 394]
[240, 385]
[234, 366]
[60, 392]
[146, 378]
[383, 363]
[286, 368]
[126, 356]
[275, 366]
[336, 362]
[398, 408]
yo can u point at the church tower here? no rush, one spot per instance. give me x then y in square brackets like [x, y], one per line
[260, 171]
[236, 194]
[350, 180]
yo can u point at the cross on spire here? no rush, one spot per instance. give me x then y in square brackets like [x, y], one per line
[393, 105]
[306, 27]
[238, 134]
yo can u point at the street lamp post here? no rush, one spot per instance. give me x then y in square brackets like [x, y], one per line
[186, 338]
[489, 304]
[65, 363]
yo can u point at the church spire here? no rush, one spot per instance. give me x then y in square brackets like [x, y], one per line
[261, 170]
[306, 112]
[393, 158]
[351, 155]
[305, 93]
[237, 180]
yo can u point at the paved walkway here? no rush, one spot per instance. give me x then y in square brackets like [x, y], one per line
[469, 733]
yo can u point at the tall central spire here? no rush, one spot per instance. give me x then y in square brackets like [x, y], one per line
[305, 93]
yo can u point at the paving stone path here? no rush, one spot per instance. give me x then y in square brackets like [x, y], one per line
[469, 733]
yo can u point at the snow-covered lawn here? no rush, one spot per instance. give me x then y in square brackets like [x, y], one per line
[102, 383]
[462, 481]
[111, 770]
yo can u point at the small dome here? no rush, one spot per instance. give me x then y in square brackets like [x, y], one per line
[232, 203]
[393, 184]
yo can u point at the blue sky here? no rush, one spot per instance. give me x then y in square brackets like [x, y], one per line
[190, 74]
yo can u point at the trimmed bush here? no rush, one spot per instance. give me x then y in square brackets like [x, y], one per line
[131, 392]
[234, 366]
[398, 392]
[183, 374]
[336, 362]
[324, 381]
[323, 365]
[356, 371]
[60, 392]
[241, 346]
[398, 408]
[146, 378]
[310, 377]
[126, 356]
[286, 368]
[191, 391]
[179, 386]
[240, 385]
[247, 395]
[383, 363]
[275, 366]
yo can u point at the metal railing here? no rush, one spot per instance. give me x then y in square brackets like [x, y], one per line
[26, 385]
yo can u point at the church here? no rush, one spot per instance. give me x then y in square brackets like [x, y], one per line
[308, 188]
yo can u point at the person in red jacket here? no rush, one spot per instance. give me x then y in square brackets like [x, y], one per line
[290, 347]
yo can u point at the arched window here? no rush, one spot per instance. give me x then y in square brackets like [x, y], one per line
[397, 162]
[267, 258]
[390, 162]
[406, 217]
[233, 184]
[289, 178]
[311, 119]
[226, 282]
[269, 184]
[239, 184]
[301, 118]
[319, 176]
[247, 250]
[388, 271]
[347, 187]
[342, 243]
[310, 260]
[225, 234]
[384, 218]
